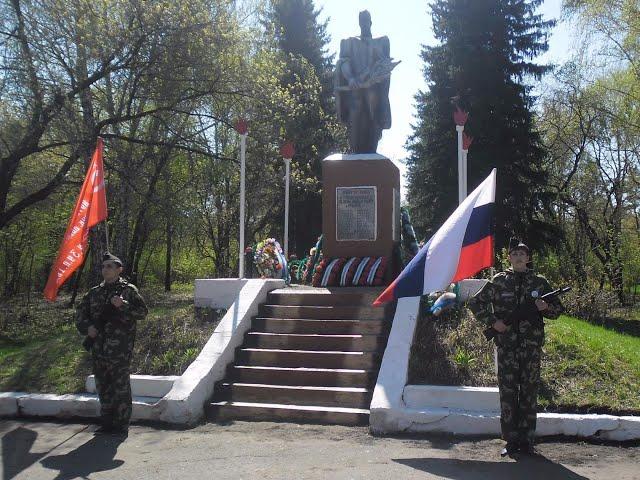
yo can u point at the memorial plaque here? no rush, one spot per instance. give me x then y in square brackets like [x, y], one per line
[356, 215]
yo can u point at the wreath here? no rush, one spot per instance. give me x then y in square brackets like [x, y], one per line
[269, 260]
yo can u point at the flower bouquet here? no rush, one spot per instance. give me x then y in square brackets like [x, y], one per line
[269, 260]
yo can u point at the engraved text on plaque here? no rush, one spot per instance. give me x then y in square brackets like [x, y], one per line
[356, 215]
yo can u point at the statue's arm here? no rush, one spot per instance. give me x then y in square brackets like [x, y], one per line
[386, 47]
[344, 63]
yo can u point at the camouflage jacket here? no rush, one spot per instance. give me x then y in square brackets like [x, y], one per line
[116, 326]
[505, 294]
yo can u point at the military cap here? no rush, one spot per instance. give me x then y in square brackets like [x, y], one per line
[110, 257]
[516, 244]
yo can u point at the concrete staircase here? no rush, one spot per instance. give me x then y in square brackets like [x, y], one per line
[312, 355]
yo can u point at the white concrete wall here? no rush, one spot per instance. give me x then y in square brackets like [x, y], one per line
[9, 403]
[217, 292]
[463, 398]
[142, 385]
[387, 402]
[465, 422]
[468, 288]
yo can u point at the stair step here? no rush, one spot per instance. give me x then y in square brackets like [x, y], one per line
[323, 312]
[312, 355]
[305, 325]
[267, 357]
[314, 341]
[343, 296]
[294, 395]
[297, 413]
[329, 377]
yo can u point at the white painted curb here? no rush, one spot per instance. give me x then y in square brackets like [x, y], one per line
[142, 385]
[462, 398]
[9, 403]
[397, 407]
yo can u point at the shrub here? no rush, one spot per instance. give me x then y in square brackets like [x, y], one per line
[590, 303]
[451, 350]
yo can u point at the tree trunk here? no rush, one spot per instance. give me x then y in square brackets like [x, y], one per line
[167, 269]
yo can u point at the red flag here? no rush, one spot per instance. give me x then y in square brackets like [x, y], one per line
[90, 209]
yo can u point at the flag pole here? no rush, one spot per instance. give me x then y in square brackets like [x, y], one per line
[287, 163]
[287, 151]
[460, 118]
[466, 143]
[106, 225]
[242, 128]
[461, 189]
[243, 146]
[106, 233]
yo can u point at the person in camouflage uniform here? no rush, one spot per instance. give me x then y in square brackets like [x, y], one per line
[107, 315]
[509, 304]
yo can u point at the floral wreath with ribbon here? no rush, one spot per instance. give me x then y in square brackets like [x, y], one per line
[269, 260]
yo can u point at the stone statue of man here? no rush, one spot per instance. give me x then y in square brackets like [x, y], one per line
[362, 87]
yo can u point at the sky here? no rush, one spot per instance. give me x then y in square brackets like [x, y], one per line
[407, 23]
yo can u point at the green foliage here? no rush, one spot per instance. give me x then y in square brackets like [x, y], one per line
[168, 81]
[499, 39]
[591, 127]
[589, 303]
[464, 359]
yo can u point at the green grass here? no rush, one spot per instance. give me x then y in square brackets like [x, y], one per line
[590, 368]
[53, 364]
[40, 348]
[585, 367]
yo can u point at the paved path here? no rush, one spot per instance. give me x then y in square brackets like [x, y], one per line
[244, 450]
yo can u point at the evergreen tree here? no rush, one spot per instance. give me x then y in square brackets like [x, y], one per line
[302, 40]
[485, 55]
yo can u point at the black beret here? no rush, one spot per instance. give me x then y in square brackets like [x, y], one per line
[112, 258]
[515, 244]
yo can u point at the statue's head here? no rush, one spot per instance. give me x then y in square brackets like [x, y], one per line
[364, 19]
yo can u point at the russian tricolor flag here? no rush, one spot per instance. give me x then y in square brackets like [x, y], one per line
[459, 249]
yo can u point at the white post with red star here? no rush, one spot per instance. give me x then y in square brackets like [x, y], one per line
[287, 151]
[460, 117]
[241, 128]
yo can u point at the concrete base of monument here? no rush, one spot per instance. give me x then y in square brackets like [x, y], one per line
[173, 400]
[398, 407]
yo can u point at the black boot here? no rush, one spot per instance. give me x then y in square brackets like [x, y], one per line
[104, 430]
[527, 447]
[509, 449]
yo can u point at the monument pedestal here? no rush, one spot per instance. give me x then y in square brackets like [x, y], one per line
[361, 207]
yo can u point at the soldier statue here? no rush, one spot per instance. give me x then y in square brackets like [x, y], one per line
[510, 304]
[107, 316]
[362, 87]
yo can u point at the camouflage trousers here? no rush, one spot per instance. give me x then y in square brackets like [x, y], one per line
[114, 391]
[518, 381]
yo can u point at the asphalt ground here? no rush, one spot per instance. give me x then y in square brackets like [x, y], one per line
[246, 450]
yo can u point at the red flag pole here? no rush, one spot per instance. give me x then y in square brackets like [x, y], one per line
[106, 233]
[106, 223]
